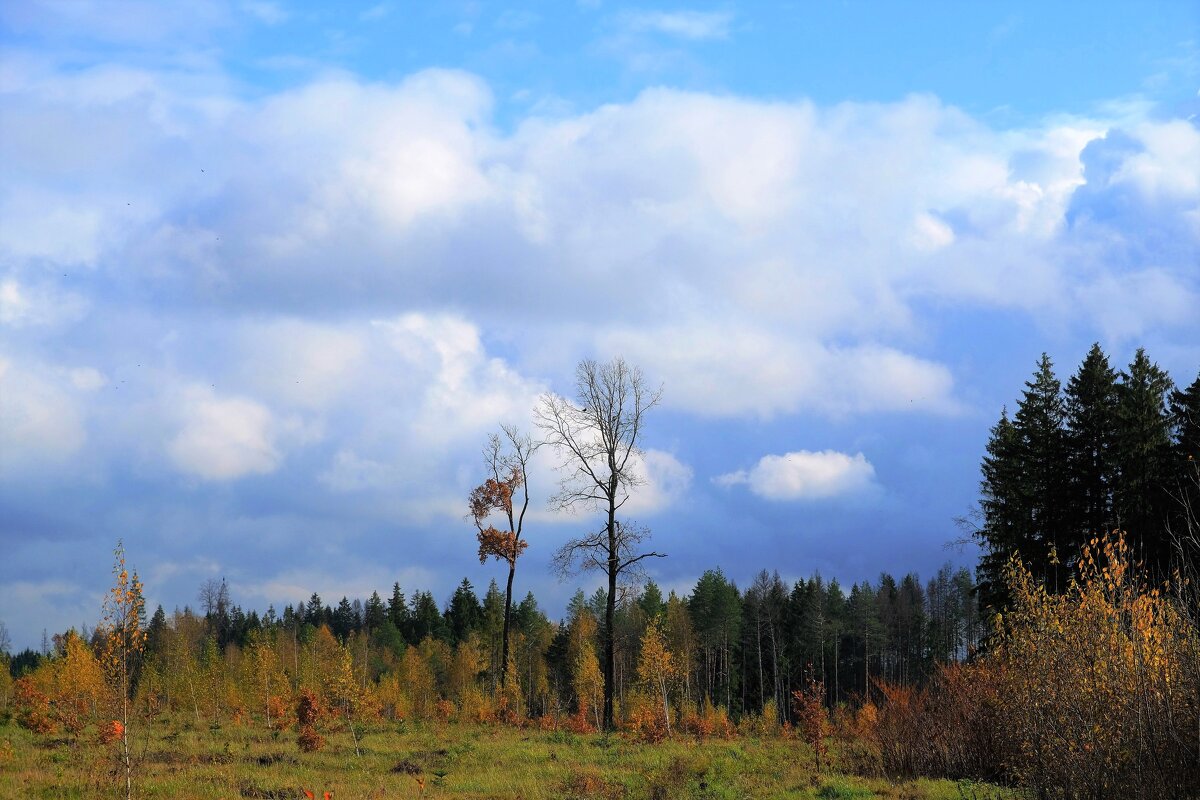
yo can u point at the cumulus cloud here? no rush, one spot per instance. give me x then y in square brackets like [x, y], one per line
[224, 437]
[367, 276]
[665, 482]
[805, 475]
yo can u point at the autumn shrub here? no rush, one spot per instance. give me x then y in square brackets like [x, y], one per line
[580, 722]
[308, 711]
[811, 719]
[111, 732]
[691, 721]
[309, 740]
[643, 718]
[1093, 693]
[586, 783]
[445, 710]
[477, 707]
[278, 709]
[716, 720]
[1100, 684]
[33, 707]
[948, 728]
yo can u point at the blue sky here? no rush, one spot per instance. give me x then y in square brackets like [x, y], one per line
[271, 272]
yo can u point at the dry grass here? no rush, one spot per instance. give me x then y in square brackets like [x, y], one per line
[451, 761]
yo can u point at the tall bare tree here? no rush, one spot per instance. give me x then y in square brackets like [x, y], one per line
[507, 460]
[597, 437]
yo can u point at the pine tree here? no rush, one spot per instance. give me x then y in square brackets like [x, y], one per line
[651, 601]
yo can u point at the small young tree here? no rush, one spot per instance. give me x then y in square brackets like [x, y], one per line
[656, 667]
[124, 638]
[812, 719]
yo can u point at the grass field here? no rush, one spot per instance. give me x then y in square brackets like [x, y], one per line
[451, 760]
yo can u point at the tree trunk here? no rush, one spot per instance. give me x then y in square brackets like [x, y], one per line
[512, 568]
[610, 640]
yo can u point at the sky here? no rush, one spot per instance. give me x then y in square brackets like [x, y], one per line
[271, 272]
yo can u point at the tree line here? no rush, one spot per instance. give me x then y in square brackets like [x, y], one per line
[740, 650]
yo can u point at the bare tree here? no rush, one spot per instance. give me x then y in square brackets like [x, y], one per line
[507, 461]
[597, 438]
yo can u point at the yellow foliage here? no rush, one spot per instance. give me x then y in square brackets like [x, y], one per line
[1099, 680]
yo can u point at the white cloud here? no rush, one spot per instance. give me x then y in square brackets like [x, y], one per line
[805, 475]
[458, 387]
[693, 25]
[266, 12]
[223, 438]
[45, 305]
[87, 379]
[302, 363]
[666, 482]
[350, 472]
[41, 423]
[719, 370]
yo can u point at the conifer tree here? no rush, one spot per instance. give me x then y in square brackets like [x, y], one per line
[1143, 459]
[397, 611]
[464, 614]
[375, 613]
[1002, 505]
[1184, 486]
[1091, 404]
[1042, 450]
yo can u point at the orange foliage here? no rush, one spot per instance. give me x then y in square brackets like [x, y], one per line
[308, 711]
[644, 719]
[111, 732]
[580, 722]
[278, 709]
[811, 718]
[496, 495]
[711, 721]
[445, 710]
[502, 545]
[33, 707]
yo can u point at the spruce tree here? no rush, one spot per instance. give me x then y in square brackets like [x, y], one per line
[1184, 486]
[1002, 505]
[376, 613]
[1091, 443]
[1143, 458]
[1041, 454]
[397, 612]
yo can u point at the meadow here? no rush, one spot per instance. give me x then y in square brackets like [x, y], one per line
[177, 759]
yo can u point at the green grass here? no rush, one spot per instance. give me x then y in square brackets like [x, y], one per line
[454, 761]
